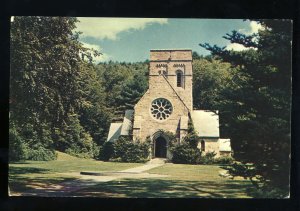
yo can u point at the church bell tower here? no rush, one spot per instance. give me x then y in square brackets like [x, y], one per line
[176, 68]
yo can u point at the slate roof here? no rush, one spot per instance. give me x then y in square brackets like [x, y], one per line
[224, 145]
[120, 129]
[206, 123]
[127, 123]
[114, 131]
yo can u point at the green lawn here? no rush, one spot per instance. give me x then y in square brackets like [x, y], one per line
[182, 180]
[30, 174]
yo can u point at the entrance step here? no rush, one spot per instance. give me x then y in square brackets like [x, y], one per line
[157, 161]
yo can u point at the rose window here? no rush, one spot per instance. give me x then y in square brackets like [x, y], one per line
[161, 108]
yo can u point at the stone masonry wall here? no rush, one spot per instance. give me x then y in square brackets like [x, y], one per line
[211, 145]
[149, 125]
[179, 54]
[177, 60]
[165, 62]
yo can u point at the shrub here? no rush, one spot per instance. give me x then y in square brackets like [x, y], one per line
[208, 158]
[80, 144]
[186, 154]
[77, 151]
[17, 148]
[32, 143]
[41, 153]
[269, 192]
[224, 160]
[106, 151]
[192, 139]
[125, 150]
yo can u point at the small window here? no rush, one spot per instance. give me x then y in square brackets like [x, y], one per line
[179, 78]
[202, 146]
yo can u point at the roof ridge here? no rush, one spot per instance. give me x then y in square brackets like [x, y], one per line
[141, 98]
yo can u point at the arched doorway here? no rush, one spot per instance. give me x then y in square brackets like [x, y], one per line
[160, 147]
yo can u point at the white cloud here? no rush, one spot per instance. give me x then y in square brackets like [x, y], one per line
[236, 47]
[88, 45]
[254, 28]
[96, 59]
[109, 28]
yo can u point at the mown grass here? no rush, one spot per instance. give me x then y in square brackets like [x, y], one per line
[25, 175]
[182, 181]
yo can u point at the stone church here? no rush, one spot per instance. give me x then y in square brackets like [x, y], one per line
[167, 106]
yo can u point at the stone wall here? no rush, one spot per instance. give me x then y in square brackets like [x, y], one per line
[148, 124]
[178, 54]
[163, 84]
[211, 145]
[180, 60]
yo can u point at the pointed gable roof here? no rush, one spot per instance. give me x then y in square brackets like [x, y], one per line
[126, 126]
[114, 131]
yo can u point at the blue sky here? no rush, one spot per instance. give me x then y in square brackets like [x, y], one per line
[130, 39]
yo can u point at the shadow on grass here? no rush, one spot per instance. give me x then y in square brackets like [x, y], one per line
[18, 162]
[35, 182]
[159, 188]
[25, 179]
[17, 171]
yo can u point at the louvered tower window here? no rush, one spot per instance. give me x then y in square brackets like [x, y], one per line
[179, 78]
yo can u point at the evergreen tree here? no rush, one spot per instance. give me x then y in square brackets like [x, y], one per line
[131, 92]
[256, 104]
[124, 84]
[95, 114]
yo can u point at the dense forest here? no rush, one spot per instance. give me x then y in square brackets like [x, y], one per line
[61, 100]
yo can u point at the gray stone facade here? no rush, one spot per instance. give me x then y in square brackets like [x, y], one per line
[167, 106]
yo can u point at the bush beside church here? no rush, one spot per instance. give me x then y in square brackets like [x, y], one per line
[187, 152]
[125, 150]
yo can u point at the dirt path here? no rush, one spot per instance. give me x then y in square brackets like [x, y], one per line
[86, 181]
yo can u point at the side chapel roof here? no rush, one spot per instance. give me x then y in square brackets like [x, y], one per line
[127, 122]
[114, 131]
[206, 123]
[121, 128]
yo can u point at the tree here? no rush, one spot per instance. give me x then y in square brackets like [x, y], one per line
[95, 115]
[131, 92]
[124, 84]
[256, 104]
[209, 78]
[46, 59]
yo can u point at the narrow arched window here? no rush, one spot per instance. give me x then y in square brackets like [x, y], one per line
[179, 78]
[202, 146]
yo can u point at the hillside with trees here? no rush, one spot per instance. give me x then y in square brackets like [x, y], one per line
[59, 99]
